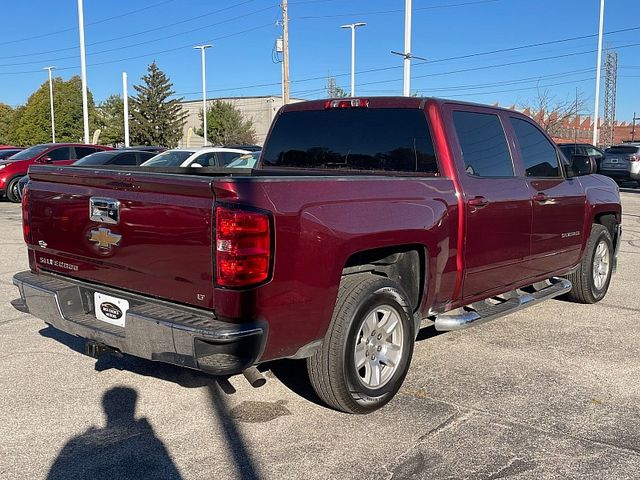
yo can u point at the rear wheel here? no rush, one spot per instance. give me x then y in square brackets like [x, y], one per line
[367, 350]
[592, 278]
[12, 190]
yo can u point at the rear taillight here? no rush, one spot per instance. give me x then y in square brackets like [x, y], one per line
[26, 229]
[634, 158]
[243, 247]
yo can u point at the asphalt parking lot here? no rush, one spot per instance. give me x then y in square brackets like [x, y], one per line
[549, 392]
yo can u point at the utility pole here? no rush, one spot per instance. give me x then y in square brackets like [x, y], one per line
[353, 27]
[53, 120]
[125, 99]
[83, 71]
[633, 129]
[599, 66]
[285, 53]
[202, 48]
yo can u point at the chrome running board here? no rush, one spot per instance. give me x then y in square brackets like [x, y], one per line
[501, 305]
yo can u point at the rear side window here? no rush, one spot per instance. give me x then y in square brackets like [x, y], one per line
[484, 144]
[386, 139]
[62, 153]
[538, 153]
[125, 159]
[623, 150]
[84, 151]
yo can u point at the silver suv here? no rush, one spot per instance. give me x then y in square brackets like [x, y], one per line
[622, 162]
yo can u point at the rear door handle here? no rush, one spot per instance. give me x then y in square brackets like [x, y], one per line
[540, 197]
[478, 202]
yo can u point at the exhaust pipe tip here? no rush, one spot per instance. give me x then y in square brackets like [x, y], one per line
[255, 378]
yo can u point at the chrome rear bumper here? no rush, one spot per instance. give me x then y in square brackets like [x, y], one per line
[154, 329]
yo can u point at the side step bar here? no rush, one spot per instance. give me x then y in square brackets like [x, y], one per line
[501, 305]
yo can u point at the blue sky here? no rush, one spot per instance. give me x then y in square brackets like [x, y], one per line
[126, 36]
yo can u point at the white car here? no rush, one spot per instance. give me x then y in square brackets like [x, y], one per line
[195, 157]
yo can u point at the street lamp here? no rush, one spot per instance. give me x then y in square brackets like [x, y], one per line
[598, 68]
[53, 121]
[353, 27]
[83, 72]
[202, 48]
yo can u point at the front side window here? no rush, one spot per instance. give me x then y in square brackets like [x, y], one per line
[62, 153]
[484, 144]
[365, 139]
[538, 153]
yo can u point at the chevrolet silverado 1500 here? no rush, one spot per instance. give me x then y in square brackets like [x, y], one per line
[366, 219]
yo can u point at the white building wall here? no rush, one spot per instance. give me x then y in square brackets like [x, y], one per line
[260, 110]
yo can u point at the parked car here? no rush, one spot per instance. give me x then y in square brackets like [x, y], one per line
[570, 149]
[16, 167]
[115, 157]
[249, 160]
[365, 217]
[195, 157]
[147, 148]
[250, 148]
[8, 152]
[622, 162]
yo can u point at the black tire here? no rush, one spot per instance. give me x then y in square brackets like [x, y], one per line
[12, 190]
[332, 369]
[584, 288]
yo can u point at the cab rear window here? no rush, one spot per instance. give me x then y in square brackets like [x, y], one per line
[365, 139]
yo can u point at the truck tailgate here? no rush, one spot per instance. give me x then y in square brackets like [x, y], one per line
[150, 233]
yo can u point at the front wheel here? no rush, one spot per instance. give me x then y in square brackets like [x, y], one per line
[368, 348]
[592, 277]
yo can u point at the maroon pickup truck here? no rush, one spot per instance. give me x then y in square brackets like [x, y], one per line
[366, 219]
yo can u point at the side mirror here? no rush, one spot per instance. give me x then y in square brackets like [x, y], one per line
[45, 159]
[582, 165]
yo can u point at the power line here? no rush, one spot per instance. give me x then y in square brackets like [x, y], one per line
[386, 12]
[58, 59]
[131, 12]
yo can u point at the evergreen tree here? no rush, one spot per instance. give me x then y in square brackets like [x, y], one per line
[7, 115]
[32, 122]
[226, 126]
[155, 119]
[110, 115]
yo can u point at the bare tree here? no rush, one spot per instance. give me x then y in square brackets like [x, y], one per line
[553, 114]
[333, 90]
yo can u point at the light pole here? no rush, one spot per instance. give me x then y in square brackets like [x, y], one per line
[406, 88]
[353, 27]
[125, 99]
[633, 129]
[53, 120]
[202, 48]
[597, 101]
[83, 71]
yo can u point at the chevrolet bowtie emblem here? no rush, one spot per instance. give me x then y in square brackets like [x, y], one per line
[104, 238]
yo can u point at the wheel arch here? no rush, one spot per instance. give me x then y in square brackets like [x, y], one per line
[404, 264]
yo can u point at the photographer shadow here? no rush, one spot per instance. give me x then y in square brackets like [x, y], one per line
[125, 447]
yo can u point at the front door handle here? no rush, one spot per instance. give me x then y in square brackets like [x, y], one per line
[478, 202]
[540, 197]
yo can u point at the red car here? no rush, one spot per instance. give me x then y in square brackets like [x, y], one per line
[16, 167]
